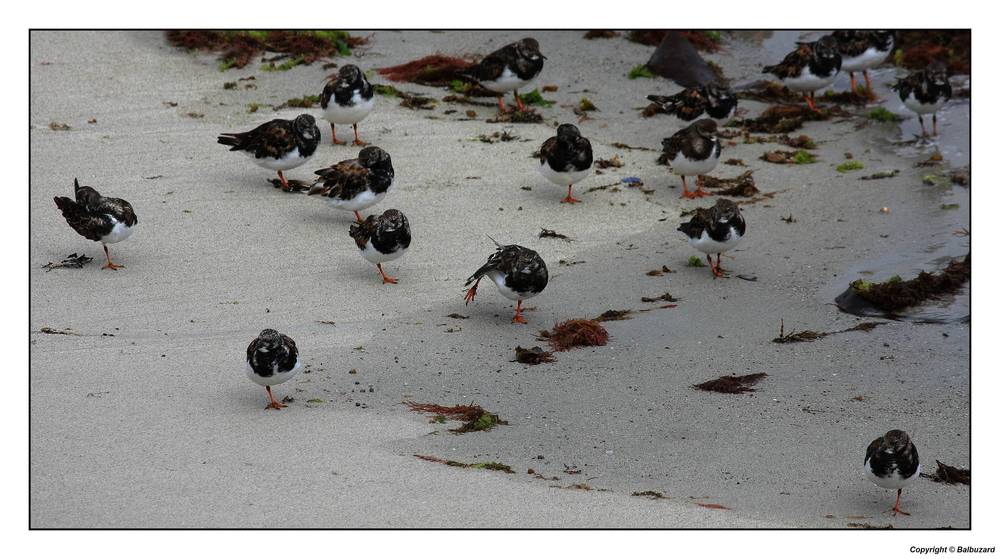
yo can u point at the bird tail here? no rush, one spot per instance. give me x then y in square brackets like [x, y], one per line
[232, 140]
[667, 104]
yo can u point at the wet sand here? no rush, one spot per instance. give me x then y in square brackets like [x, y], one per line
[146, 417]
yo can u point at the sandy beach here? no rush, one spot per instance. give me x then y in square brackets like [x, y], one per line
[142, 416]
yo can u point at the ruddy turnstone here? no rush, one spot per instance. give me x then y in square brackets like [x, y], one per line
[101, 219]
[810, 67]
[891, 462]
[382, 239]
[509, 69]
[715, 230]
[272, 358]
[925, 92]
[278, 145]
[861, 50]
[693, 151]
[566, 159]
[714, 99]
[518, 272]
[356, 184]
[347, 99]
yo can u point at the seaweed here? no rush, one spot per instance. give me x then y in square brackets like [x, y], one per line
[71, 261]
[659, 272]
[499, 136]
[578, 332]
[800, 142]
[735, 162]
[706, 41]
[730, 384]
[516, 116]
[600, 34]
[896, 295]
[435, 70]
[743, 185]
[534, 97]
[882, 114]
[612, 314]
[651, 494]
[549, 233]
[59, 126]
[533, 356]
[950, 475]
[880, 175]
[812, 335]
[918, 48]
[494, 466]
[237, 48]
[665, 297]
[640, 71]
[475, 418]
[800, 157]
[781, 119]
[614, 161]
[695, 262]
[850, 165]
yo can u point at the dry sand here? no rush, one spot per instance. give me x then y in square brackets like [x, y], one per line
[145, 419]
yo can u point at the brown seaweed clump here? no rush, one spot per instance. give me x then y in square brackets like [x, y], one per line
[782, 119]
[730, 384]
[494, 466]
[742, 185]
[474, 417]
[896, 294]
[435, 70]
[950, 474]
[918, 48]
[705, 41]
[237, 48]
[577, 332]
[533, 356]
[812, 335]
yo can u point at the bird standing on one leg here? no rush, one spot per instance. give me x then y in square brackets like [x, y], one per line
[519, 274]
[715, 230]
[101, 219]
[382, 238]
[272, 358]
[891, 462]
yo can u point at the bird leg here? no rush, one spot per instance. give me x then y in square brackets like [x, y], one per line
[517, 99]
[333, 127]
[518, 317]
[274, 405]
[868, 84]
[854, 83]
[923, 131]
[718, 264]
[896, 508]
[687, 193]
[284, 183]
[503, 109]
[569, 199]
[358, 217]
[470, 294]
[386, 279]
[357, 140]
[698, 184]
[934, 120]
[110, 265]
[810, 101]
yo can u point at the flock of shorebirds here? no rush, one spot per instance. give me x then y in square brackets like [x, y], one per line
[564, 159]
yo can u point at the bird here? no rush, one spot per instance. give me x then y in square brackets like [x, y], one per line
[716, 100]
[811, 66]
[382, 238]
[509, 69]
[891, 462]
[98, 218]
[925, 92]
[272, 358]
[356, 184]
[693, 151]
[519, 274]
[278, 145]
[715, 230]
[348, 99]
[566, 159]
[861, 50]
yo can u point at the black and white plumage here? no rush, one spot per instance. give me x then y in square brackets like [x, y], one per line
[861, 51]
[510, 68]
[519, 273]
[715, 100]
[693, 151]
[566, 159]
[278, 145]
[347, 99]
[356, 184]
[272, 358]
[101, 219]
[808, 68]
[925, 92]
[382, 238]
[891, 462]
[715, 230]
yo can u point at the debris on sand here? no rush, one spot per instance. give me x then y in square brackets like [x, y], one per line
[950, 475]
[456, 315]
[767, 91]
[551, 234]
[896, 294]
[435, 70]
[713, 506]
[799, 142]
[735, 162]
[867, 526]
[960, 177]
[577, 332]
[667, 297]
[59, 126]
[600, 34]
[882, 114]
[705, 41]
[533, 356]
[811, 335]
[918, 48]
[71, 261]
[500, 136]
[850, 165]
[880, 175]
[859, 98]
[62, 332]
[614, 161]
[518, 117]
[730, 384]
[621, 145]
[933, 160]
[475, 417]
[781, 157]
[494, 466]
[742, 185]
[237, 48]
[654, 495]
[782, 119]
[659, 272]
[293, 185]
[611, 314]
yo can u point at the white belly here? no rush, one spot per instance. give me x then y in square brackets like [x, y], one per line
[119, 233]
[499, 278]
[894, 481]
[690, 167]
[375, 257]
[277, 378]
[290, 161]
[352, 114]
[808, 81]
[923, 108]
[508, 81]
[564, 178]
[360, 202]
[708, 245]
[871, 58]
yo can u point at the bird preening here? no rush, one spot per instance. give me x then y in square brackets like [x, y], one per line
[98, 218]
[519, 274]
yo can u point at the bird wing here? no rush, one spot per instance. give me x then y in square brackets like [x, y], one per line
[345, 180]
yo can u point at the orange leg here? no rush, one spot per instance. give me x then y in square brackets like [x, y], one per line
[333, 127]
[518, 317]
[854, 83]
[503, 109]
[274, 405]
[923, 131]
[810, 101]
[520, 104]
[934, 120]
[110, 265]
[470, 295]
[386, 279]
[896, 508]
[569, 199]
[284, 183]
[687, 193]
[868, 84]
[698, 192]
[358, 217]
[357, 140]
